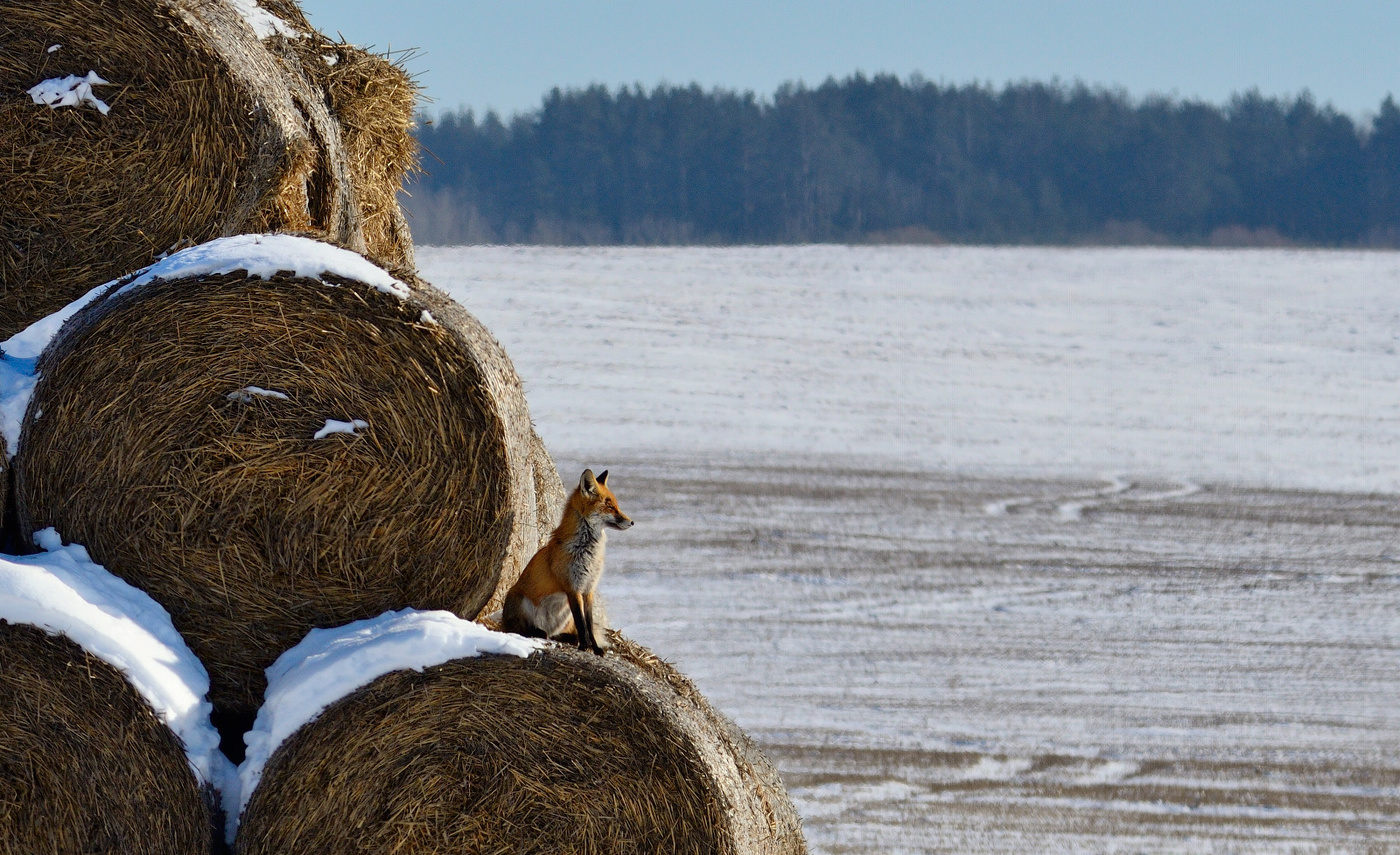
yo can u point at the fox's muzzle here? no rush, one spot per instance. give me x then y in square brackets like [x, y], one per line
[620, 523]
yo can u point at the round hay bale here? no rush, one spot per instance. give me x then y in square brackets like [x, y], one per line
[550, 495]
[758, 772]
[210, 131]
[374, 100]
[559, 752]
[182, 430]
[85, 765]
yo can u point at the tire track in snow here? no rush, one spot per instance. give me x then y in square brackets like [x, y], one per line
[1003, 507]
[1075, 510]
[1072, 506]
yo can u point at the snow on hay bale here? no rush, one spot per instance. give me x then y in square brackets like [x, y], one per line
[270, 434]
[105, 739]
[130, 128]
[417, 734]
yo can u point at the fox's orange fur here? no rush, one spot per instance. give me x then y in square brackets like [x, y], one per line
[555, 594]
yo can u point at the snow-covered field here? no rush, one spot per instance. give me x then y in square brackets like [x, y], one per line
[1013, 550]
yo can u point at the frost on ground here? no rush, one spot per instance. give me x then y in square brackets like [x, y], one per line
[1217, 671]
[70, 91]
[1017, 550]
[1271, 368]
[332, 663]
[62, 591]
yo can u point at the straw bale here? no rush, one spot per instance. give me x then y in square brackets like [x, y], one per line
[85, 765]
[560, 752]
[374, 100]
[249, 531]
[533, 477]
[550, 495]
[211, 132]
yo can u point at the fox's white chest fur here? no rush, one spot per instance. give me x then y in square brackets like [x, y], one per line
[585, 550]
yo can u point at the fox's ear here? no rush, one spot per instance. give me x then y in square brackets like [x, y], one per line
[588, 483]
[603, 479]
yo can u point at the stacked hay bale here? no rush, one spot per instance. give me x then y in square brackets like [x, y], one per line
[198, 120]
[85, 766]
[269, 434]
[105, 739]
[521, 747]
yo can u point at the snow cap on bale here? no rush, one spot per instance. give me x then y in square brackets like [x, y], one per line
[162, 123]
[565, 750]
[331, 663]
[204, 481]
[141, 754]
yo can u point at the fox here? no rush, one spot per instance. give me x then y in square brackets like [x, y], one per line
[554, 596]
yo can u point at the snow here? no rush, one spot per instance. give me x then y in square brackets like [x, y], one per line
[264, 256]
[63, 592]
[264, 23]
[332, 663]
[334, 427]
[1263, 367]
[248, 393]
[53, 48]
[70, 91]
[259, 255]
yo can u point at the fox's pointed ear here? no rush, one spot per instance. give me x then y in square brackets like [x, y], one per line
[603, 479]
[588, 483]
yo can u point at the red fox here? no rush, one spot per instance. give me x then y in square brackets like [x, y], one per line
[554, 596]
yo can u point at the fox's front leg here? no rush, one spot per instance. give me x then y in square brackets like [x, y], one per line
[589, 615]
[583, 626]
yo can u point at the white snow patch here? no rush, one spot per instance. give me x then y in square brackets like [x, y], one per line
[62, 591]
[1110, 772]
[331, 663]
[333, 427]
[264, 256]
[330, 58]
[264, 23]
[996, 769]
[19, 355]
[427, 318]
[70, 91]
[53, 48]
[248, 393]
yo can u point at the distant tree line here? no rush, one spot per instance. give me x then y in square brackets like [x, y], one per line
[870, 159]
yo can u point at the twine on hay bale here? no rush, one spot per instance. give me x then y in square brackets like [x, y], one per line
[559, 752]
[85, 765]
[211, 131]
[176, 443]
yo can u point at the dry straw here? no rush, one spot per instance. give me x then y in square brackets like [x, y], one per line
[172, 429]
[563, 752]
[211, 132]
[85, 765]
[374, 100]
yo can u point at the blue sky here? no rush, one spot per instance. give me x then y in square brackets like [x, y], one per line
[506, 55]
